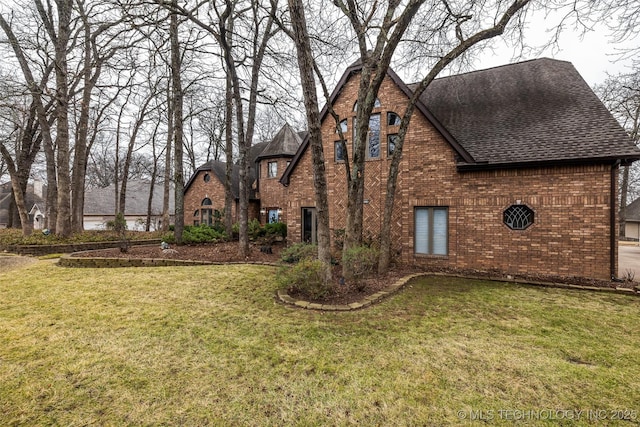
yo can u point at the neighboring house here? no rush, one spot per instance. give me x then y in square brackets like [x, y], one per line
[513, 168]
[35, 202]
[632, 220]
[99, 206]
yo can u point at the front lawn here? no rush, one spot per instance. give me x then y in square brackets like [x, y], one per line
[209, 345]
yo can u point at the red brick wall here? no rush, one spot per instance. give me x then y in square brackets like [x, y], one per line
[214, 190]
[198, 190]
[272, 193]
[572, 204]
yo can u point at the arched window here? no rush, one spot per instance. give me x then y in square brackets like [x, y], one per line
[206, 202]
[196, 213]
[393, 119]
[207, 177]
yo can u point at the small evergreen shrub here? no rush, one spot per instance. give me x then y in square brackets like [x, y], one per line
[255, 229]
[305, 277]
[298, 252]
[362, 261]
[200, 234]
[276, 230]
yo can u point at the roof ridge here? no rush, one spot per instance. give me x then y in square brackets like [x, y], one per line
[482, 70]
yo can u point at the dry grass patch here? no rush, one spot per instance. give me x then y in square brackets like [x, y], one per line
[208, 345]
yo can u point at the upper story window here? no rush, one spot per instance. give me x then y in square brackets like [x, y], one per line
[339, 151]
[206, 202]
[518, 217]
[206, 177]
[373, 146]
[393, 119]
[391, 143]
[272, 169]
[376, 104]
[343, 126]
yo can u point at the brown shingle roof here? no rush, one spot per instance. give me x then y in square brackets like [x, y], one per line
[284, 144]
[530, 112]
[219, 169]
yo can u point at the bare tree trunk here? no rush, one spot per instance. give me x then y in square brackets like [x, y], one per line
[305, 64]
[178, 126]
[167, 161]
[45, 129]
[228, 193]
[63, 224]
[18, 193]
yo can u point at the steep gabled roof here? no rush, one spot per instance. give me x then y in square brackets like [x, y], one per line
[355, 68]
[539, 111]
[284, 144]
[525, 114]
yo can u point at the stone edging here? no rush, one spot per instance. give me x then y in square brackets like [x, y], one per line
[68, 260]
[366, 302]
[39, 250]
[282, 295]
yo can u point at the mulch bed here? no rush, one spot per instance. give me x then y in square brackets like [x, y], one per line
[219, 252]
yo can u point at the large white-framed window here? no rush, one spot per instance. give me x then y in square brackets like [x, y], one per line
[431, 230]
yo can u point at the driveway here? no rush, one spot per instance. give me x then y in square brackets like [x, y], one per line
[629, 261]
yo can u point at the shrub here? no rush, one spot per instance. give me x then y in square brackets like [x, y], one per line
[276, 230]
[305, 277]
[298, 252]
[362, 261]
[254, 229]
[200, 234]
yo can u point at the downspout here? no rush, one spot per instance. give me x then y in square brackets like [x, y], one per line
[613, 224]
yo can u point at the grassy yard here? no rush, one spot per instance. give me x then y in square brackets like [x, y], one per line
[208, 345]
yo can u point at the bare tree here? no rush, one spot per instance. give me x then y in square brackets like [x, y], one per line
[37, 91]
[621, 95]
[254, 24]
[306, 66]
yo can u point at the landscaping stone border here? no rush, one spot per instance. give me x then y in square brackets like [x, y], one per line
[367, 301]
[68, 260]
[39, 250]
[285, 298]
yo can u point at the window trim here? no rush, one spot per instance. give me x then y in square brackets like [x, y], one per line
[430, 232]
[531, 217]
[391, 114]
[337, 144]
[389, 136]
[275, 172]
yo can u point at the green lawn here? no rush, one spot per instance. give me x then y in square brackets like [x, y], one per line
[209, 345]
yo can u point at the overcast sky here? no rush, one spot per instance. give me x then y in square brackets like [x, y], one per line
[593, 54]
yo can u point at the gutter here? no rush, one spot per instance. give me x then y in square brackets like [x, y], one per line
[612, 225]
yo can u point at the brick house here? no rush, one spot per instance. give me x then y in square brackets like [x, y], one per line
[513, 168]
